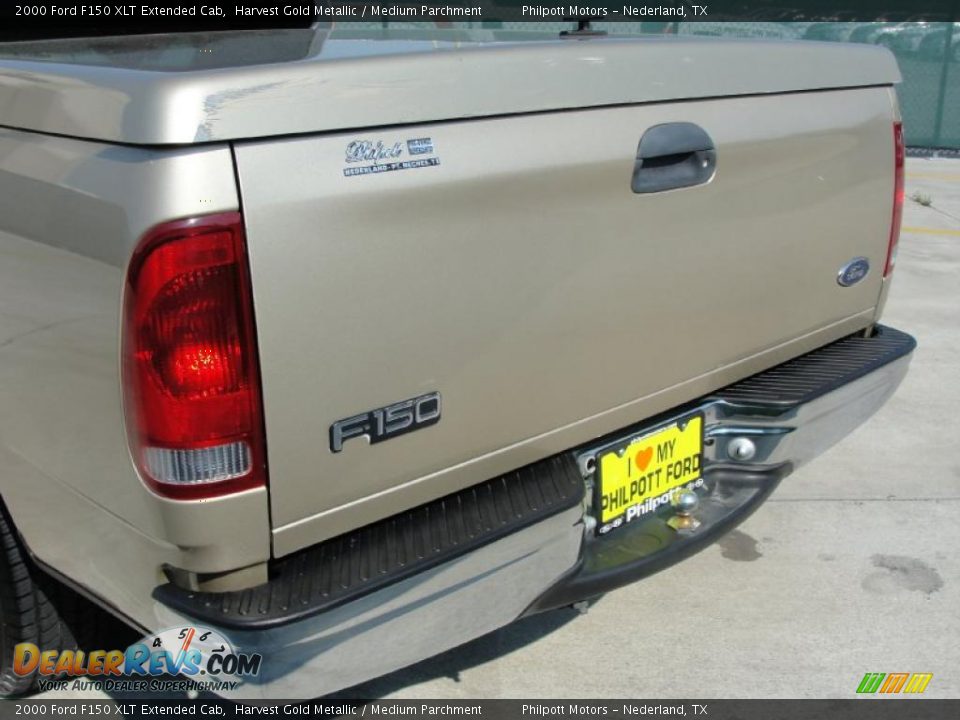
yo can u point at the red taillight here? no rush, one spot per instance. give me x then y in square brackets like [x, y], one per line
[192, 384]
[899, 154]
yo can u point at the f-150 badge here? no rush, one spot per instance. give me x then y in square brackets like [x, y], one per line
[387, 422]
[368, 157]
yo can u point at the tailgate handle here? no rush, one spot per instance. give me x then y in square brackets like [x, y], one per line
[673, 155]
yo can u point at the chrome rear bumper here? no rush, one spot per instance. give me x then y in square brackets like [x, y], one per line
[780, 435]
[410, 620]
[789, 414]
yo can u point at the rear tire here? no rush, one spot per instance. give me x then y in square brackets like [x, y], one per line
[26, 613]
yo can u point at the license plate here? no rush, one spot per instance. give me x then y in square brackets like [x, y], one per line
[643, 473]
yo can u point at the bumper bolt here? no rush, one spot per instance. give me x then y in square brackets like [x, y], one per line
[742, 449]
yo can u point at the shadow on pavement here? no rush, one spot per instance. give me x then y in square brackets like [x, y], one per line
[453, 662]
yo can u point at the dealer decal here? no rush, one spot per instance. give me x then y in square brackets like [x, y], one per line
[645, 472]
[369, 157]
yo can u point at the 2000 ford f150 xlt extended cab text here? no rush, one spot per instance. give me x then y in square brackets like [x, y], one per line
[352, 346]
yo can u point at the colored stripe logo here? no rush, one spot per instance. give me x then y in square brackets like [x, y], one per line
[894, 683]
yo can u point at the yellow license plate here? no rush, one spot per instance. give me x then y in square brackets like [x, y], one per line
[641, 475]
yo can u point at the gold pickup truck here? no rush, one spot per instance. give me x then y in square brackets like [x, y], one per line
[345, 347]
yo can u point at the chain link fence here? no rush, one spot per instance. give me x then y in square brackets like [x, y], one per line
[928, 54]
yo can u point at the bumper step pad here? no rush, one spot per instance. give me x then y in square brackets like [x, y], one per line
[344, 568]
[810, 376]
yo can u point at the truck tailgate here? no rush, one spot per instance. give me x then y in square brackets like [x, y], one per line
[510, 267]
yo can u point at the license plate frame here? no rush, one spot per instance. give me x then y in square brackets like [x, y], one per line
[643, 490]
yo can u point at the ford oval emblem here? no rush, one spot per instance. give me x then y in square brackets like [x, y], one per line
[853, 272]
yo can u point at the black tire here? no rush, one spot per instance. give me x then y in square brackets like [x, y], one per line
[26, 612]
